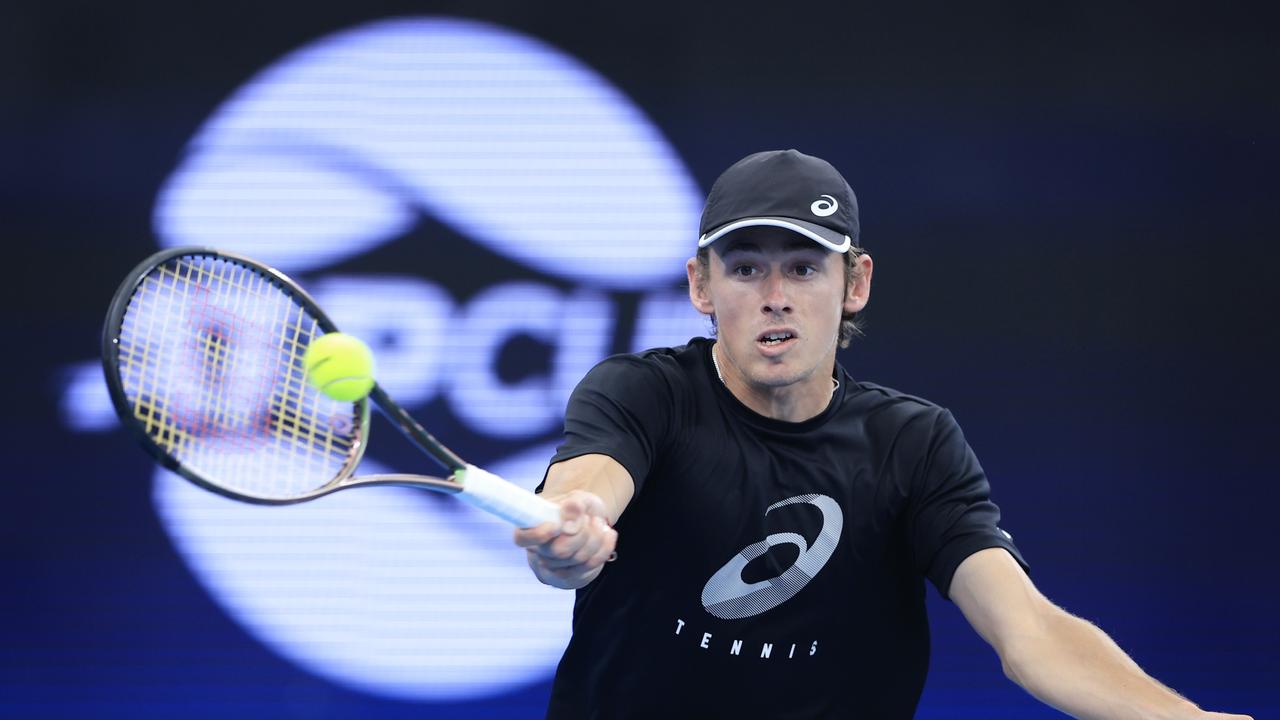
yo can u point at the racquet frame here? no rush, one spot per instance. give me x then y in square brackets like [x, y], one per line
[475, 485]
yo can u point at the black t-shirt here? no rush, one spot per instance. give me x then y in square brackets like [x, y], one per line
[765, 568]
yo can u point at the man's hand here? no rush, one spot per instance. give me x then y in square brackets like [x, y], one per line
[571, 553]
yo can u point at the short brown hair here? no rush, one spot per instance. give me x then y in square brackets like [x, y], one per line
[850, 323]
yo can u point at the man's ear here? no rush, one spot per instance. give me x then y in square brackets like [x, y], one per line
[858, 290]
[698, 287]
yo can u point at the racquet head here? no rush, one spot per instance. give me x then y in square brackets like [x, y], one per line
[203, 358]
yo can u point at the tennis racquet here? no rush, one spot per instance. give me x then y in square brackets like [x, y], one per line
[203, 357]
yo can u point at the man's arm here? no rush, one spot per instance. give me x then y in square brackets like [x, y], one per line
[1062, 660]
[592, 491]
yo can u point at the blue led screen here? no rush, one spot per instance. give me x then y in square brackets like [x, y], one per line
[1068, 210]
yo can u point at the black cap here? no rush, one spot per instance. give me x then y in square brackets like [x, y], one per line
[787, 189]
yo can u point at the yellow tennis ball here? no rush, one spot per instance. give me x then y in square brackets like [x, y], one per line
[340, 365]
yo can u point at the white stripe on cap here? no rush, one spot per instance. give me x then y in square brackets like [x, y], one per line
[709, 238]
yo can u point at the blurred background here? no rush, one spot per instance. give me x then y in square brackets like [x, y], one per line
[1071, 210]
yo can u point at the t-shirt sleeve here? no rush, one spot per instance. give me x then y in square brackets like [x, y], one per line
[951, 514]
[622, 408]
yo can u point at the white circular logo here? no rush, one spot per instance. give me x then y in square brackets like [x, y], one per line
[727, 597]
[825, 205]
[339, 148]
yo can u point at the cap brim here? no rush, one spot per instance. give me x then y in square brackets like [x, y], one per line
[824, 236]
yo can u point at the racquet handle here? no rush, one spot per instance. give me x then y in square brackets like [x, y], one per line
[514, 504]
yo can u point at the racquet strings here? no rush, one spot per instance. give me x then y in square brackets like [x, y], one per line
[210, 360]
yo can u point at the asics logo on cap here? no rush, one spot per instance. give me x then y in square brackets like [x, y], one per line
[825, 205]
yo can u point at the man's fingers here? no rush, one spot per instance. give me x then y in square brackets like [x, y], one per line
[565, 548]
[560, 546]
[571, 552]
[605, 553]
[572, 510]
[561, 540]
[587, 545]
[537, 535]
[596, 550]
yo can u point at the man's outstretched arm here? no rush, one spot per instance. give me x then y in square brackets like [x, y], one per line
[592, 491]
[1062, 660]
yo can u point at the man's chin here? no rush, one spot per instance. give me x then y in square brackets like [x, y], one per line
[777, 376]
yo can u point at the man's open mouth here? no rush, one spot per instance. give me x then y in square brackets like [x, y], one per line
[774, 339]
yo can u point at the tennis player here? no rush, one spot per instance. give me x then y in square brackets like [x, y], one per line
[773, 518]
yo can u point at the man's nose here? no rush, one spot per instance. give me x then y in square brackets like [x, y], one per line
[775, 295]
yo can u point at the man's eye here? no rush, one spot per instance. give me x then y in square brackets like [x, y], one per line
[804, 270]
[743, 270]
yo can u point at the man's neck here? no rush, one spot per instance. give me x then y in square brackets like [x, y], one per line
[796, 402]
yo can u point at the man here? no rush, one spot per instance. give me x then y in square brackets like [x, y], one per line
[771, 520]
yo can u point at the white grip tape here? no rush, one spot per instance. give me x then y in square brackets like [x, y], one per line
[514, 504]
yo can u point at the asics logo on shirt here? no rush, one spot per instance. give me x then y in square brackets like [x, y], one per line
[726, 596]
[825, 205]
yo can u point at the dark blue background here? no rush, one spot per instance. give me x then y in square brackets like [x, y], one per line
[1072, 214]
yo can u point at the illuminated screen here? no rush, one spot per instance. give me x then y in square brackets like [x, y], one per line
[1072, 224]
[352, 143]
